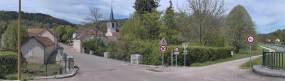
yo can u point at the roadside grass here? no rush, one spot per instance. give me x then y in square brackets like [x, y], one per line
[32, 69]
[258, 61]
[242, 54]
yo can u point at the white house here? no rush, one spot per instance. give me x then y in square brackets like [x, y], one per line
[86, 34]
[37, 49]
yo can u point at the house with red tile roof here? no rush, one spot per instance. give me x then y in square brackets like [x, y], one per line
[37, 49]
[39, 46]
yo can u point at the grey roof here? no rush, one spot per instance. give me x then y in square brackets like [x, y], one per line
[111, 19]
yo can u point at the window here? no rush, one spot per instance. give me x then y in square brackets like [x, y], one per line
[32, 42]
[113, 25]
[30, 52]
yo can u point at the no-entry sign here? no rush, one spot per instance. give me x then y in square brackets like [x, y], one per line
[163, 48]
[250, 39]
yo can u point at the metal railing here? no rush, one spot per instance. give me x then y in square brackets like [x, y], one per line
[273, 59]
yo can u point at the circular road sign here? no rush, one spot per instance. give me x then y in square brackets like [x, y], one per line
[176, 49]
[162, 48]
[250, 39]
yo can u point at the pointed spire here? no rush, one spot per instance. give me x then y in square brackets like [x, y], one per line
[111, 19]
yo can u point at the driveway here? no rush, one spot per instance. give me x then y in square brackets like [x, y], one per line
[94, 68]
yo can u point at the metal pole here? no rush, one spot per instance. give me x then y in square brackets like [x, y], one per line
[162, 58]
[46, 69]
[184, 58]
[250, 56]
[65, 62]
[171, 58]
[19, 41]
[176, 59]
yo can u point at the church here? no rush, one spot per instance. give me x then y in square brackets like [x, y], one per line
[86, 33]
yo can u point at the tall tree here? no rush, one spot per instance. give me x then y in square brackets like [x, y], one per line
[95, 16]
[169, 28]
[144, 6]
[202, 18]
[11, 38]
[237, 26]
[70, 33]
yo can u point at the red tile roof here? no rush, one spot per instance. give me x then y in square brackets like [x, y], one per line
[45, 41]
[113, 38]
[88, 31]
[37, 31]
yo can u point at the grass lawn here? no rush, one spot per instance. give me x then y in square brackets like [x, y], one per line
[242, 54]
[258, 61]
[28, 69]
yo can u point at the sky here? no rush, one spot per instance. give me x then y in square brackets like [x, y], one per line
[267, 14]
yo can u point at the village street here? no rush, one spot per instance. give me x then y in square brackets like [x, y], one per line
[93, 68]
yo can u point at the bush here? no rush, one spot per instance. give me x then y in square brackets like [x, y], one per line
[8, 49]
[8, 61]
[197, 54]
[95, 45]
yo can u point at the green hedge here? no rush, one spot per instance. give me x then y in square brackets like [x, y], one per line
[8, 61]
[8, 49]
[196, 54]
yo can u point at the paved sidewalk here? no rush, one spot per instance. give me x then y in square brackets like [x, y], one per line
[268, 72]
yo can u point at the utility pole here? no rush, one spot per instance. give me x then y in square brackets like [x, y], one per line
[19, 41]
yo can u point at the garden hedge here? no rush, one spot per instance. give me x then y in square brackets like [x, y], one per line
[8, 61]
[195, 54]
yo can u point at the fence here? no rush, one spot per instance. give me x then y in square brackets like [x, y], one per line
[273, 59]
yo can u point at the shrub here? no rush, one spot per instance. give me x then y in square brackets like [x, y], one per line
[8, 49]
[8, 61]
[197, 54]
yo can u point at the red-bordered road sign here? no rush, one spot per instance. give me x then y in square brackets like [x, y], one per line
[163, 48]
[176, 49]
[250, 39]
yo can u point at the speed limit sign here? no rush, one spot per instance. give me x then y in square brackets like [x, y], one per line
[250, 39]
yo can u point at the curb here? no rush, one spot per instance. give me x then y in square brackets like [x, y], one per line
[268, 72]
[74, 71]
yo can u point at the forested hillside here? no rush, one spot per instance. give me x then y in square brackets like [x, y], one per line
[37, 17]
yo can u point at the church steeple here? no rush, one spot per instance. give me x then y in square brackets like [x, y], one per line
[111, 19]
[111, 25]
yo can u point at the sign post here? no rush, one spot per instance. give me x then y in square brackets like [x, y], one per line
[171, 58]
[176, 52]
[185, 52]
[163, 48]
[250, 39]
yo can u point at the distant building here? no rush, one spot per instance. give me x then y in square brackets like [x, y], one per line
[84, 34]
[277, 41]
[267, 40]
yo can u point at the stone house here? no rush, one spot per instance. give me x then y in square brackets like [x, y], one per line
[39, 46]
[37, 49]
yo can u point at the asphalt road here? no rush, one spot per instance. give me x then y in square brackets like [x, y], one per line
[93, 68]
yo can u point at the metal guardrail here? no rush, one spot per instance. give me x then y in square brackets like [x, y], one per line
[273, 59]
